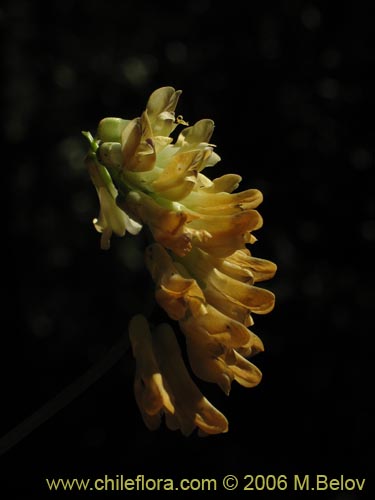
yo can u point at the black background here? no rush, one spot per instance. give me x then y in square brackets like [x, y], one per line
[289, 86]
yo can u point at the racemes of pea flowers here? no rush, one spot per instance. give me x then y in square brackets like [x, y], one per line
[205, 276]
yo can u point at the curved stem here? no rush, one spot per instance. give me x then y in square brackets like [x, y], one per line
[66, 396]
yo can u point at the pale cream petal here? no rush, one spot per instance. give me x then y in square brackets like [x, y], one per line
[132, 226]
[201, 131]
[212, 160]
[112, 218]
[111, 214]
[138, 147]
[203, 182]
[161, 107]
[227, 183]
[197, 137]
[161, 142]
[163, 99]
[179, 167]
[165, 155]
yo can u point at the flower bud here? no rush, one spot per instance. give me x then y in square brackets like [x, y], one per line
[110, 154]
[110, 129]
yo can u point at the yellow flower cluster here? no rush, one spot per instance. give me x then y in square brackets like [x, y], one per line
[205, 275]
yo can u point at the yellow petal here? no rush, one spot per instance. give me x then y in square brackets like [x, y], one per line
[213, 362]
[257, 300]
[175, 293]
[254, 346]
[245, 373]
[228, 233]
[151, 421]
[150, 392]
[241, 221]
[202, 263]
[223, 203]
[167, 225]
[179, 175]
[221, 287]
[235, 271]
[261, 269]
[221, 245]
[206, 361]
[218, 326]
[232, 309]
[191, 407]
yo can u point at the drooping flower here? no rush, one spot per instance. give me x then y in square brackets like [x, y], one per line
[163, 386]
[205, 275]
[112, 219]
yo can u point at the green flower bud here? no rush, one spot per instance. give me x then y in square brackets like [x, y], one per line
[110, 154]
[110, 129]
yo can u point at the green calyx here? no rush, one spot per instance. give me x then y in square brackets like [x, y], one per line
[110, 129]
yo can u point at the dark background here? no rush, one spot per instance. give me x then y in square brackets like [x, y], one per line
[289, 86]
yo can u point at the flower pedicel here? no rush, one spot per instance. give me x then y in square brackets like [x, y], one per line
[205, 276]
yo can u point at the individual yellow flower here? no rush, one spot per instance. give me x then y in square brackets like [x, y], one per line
[175, 293]
[111, 218]
[163, 386]
[213, 361]
[205, 275]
